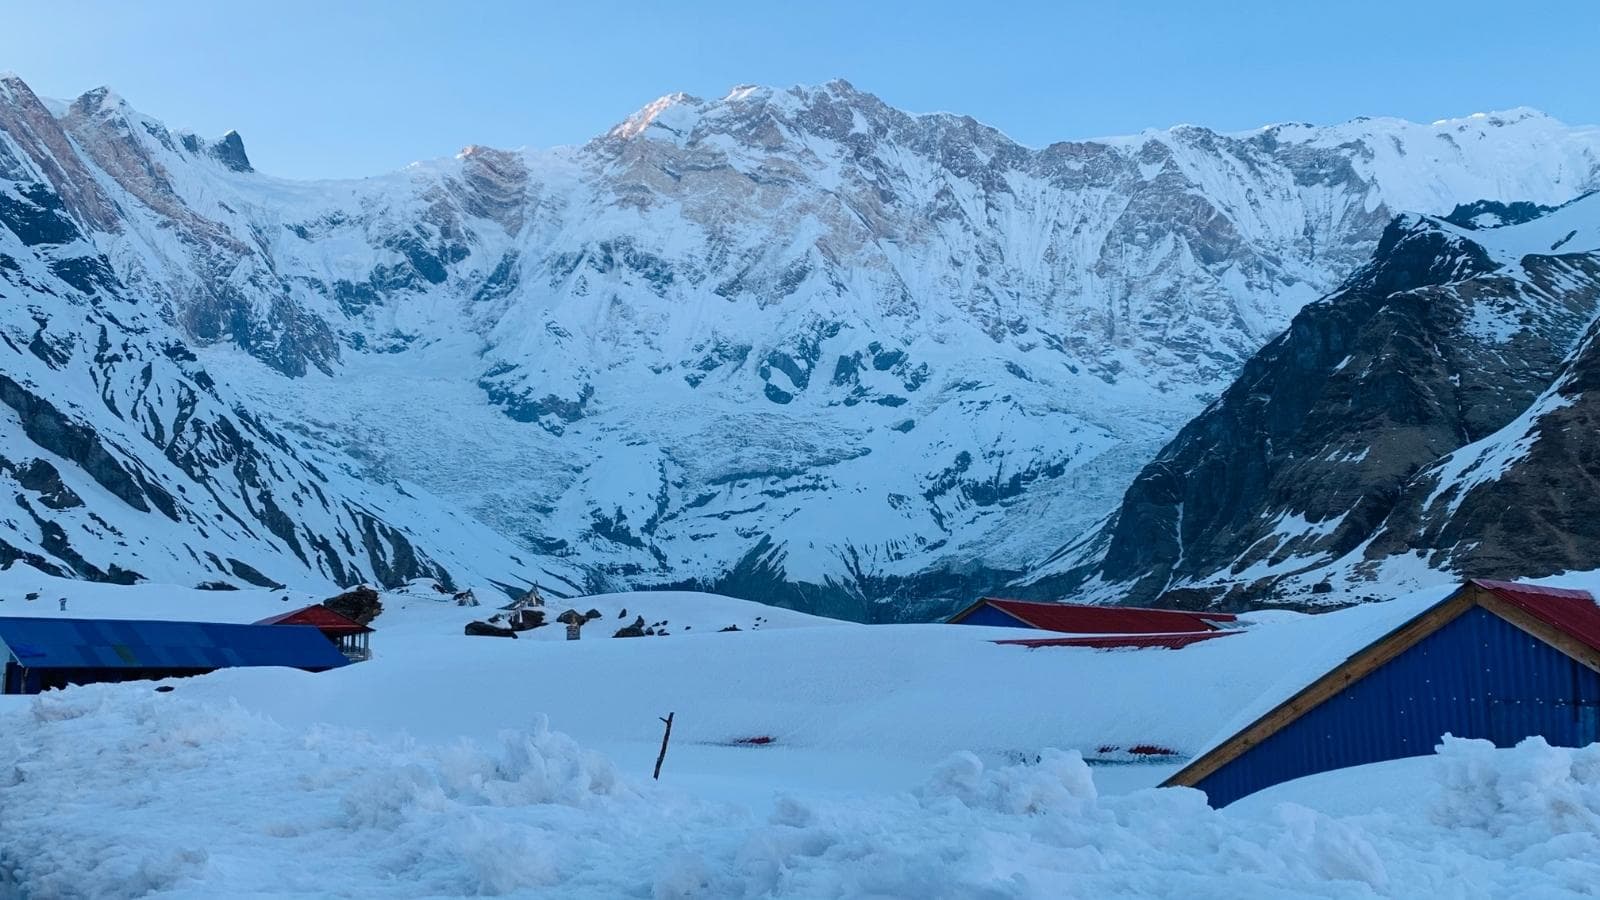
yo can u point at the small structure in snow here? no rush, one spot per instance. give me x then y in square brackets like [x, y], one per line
[1493, 660]
[351, 637]
[1070, 618]
[41, 654]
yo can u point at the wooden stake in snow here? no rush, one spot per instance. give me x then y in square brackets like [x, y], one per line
[664, 738]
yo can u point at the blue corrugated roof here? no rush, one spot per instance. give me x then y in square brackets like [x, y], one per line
[50, 643]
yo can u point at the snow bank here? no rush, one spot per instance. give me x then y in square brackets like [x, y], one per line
[123, 792]
[1521, 797]
[119, 791]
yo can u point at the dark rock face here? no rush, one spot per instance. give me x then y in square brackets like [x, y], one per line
[230, 152]
[1326, 446]
[1539, 514]
[43, 478]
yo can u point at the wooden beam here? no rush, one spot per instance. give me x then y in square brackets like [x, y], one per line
[1541, 629]
[1357, 667]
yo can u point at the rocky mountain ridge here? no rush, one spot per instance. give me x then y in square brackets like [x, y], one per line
[1430, 416]
[793, 344]
[124, 457]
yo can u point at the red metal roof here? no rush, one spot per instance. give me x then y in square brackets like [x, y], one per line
[1071, 618]
[322, 618]
[1574, 612]
[1118, 641]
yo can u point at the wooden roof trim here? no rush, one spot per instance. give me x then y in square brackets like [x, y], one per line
[1541, 629]
[1357, 667]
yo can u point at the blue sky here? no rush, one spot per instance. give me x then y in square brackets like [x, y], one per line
[337, 88]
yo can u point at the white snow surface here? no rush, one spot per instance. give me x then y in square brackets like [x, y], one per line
[906, 760]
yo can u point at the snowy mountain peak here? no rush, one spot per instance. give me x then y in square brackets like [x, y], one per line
[794, 344]
[108, 110]
[678, 107]
[230, 152]
[1498, 119]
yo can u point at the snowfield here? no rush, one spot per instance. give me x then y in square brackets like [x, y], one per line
[119, 792]
[891, 761]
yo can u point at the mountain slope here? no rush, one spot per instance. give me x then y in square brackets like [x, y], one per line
[793, 345]
[124, 457]
[1428, 415]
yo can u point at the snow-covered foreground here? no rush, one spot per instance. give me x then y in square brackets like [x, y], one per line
[895, 761]
[113, 792]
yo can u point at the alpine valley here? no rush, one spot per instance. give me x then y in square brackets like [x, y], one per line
[801, 347]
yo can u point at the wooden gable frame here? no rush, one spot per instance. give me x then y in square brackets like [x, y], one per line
[1371, 658]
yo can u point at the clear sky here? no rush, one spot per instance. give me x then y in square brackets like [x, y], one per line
[343, 88]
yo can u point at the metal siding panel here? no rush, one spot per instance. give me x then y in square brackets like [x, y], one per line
[1478, 677]
[132, 644]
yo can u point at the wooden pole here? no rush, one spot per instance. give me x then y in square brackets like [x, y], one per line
[661, 757]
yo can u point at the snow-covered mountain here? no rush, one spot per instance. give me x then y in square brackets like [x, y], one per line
[125, 458]
[1435, 414]
[793, 345]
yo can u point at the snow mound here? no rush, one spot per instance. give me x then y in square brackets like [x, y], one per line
[1058, 781]
[1519, 798]
[124, 792]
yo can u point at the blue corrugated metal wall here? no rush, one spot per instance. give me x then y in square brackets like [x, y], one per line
[988, 615]
[1477, 677]
[50, 652]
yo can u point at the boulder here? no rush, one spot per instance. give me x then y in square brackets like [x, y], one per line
[484, 629]
[360, 603]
